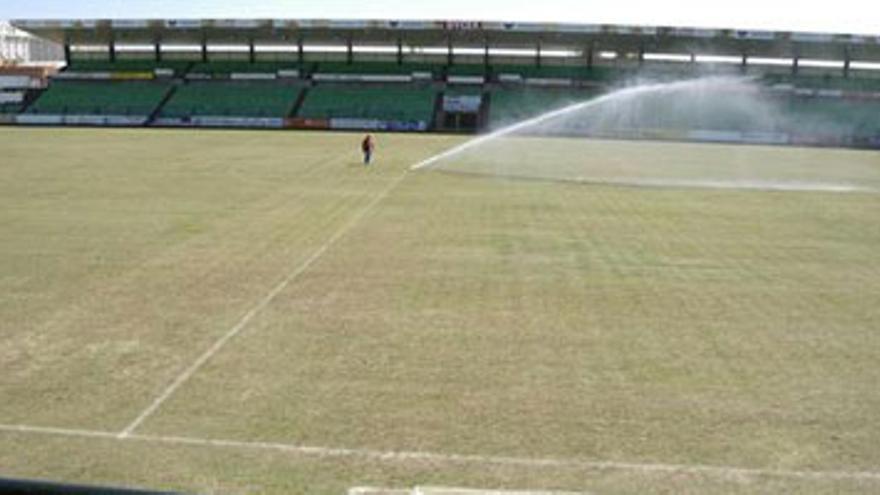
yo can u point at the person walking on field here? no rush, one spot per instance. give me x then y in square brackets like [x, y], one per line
[367, 147]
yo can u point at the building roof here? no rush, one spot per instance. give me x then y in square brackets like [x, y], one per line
[476, 33]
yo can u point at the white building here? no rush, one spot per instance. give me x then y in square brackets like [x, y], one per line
[20, 47]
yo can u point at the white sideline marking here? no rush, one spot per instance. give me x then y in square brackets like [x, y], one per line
[404, 456]
[446, 490]
[208, 354]
[48, 430]
[369, 490]
[449, 490]
[756, 185]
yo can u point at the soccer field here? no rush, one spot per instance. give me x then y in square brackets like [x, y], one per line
[256, 312]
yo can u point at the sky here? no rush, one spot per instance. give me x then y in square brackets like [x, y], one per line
[839, 16]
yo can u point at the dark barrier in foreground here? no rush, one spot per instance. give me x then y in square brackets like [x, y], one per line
[34, 487]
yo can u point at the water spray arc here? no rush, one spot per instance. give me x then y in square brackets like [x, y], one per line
[534, 122]
[716, 108]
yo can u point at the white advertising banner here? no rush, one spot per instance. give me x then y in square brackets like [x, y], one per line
[170, 121]
[110, 120]
[245, 76]
[765, 137]
[716, 136]
[104, 120]
[466, 79]
[510, 78]
[16, 82]
[28, 119]
[387, 78]
[83, 75]
[6, 97]
[261, 122]
[544, 81]
[365, 124]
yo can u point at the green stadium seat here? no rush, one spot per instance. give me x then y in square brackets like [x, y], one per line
[10, 108]
[831, 115]
[463, 90]
[824, 82]
[467, 70]
[232, 98]
[100, 98]
[401, 103]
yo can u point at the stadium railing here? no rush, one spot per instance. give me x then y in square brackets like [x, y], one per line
[170, 68]
[229, 68]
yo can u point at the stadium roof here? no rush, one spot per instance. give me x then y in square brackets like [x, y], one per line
[461, 33]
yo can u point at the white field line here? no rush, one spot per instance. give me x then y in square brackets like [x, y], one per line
[65, 432]
[450, 490]
[405, 456]
[367, 490]
[184, 376]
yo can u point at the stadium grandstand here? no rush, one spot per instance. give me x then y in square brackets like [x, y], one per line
[26, 62]
[424, 76]
[20, 47]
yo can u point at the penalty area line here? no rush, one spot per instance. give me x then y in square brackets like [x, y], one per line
[415, 456]
[187, 373]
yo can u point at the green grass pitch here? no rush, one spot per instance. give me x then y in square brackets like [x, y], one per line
[429, 328]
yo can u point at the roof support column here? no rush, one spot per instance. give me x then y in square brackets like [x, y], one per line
[846, 61]
[589, 53]
[486, 53]
[399, 51]
[743, 65]
[641, 53]
[252, 52]
[538, 54]
[450, 57]
[67, 52]
[300, 56]
[204, 50]
[795, 65]
[112, 50]
[157, 50]
[349, 51]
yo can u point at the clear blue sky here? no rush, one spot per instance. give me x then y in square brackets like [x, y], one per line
[846, 16]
